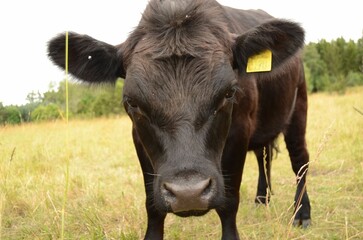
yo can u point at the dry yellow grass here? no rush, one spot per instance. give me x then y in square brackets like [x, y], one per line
[105, 199]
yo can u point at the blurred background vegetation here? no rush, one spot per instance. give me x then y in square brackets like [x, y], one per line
[329, 67]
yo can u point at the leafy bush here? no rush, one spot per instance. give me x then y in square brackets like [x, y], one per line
[48, 112]
[10, 115]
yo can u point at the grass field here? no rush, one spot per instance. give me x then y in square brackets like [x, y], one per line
[105, 194]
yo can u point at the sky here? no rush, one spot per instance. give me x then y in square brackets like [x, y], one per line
[27, 26]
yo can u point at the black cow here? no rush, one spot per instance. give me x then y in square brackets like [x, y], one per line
[200, 93]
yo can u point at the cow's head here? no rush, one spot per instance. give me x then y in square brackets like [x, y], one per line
[182, 68]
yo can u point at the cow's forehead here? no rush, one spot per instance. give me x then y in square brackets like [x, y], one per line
[180, 71]
[180, 28]
[178, 79]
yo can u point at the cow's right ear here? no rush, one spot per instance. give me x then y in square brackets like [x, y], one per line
[89, 60]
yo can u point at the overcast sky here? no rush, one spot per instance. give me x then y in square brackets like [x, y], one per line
[26, 26]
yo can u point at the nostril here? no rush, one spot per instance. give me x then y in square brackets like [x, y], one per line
[185, 189]
[167, 190]
[208, 188]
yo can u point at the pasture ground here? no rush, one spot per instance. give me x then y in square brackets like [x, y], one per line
[105, 194]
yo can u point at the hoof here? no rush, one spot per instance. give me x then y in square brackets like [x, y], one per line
[303, 223]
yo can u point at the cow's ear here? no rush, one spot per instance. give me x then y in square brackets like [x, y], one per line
[280, 37]
[89, 60]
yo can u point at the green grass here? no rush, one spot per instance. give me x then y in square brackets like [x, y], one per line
[105, 199]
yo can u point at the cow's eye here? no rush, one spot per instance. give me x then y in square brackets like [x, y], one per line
[229, 97]
[130, 103]
[230, 93]
[135, 109]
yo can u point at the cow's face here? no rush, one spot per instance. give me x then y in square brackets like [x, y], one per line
[181, 109]
[180, 91]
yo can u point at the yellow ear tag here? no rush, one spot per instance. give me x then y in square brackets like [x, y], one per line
[261, 62]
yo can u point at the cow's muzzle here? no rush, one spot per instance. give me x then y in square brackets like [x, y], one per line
[188, 194]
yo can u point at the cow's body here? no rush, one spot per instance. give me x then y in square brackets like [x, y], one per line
[195, 110]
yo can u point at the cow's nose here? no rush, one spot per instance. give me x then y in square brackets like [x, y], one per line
[188, 195]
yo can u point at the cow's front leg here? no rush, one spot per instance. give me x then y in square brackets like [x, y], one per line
[232, 164]
[228, 216]
[228, 212]
[155, 218]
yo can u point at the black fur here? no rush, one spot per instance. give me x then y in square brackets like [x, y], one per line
[89, 59]
[195, 111]
[282, 37]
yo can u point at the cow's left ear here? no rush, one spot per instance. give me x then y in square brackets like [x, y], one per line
[89, 60]
[280, 37]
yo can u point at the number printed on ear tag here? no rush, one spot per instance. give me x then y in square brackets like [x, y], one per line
[261, 62]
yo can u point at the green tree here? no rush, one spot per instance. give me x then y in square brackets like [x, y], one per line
[350, 58]
[10, 115]
[2, 114]
[108, 100]
[354, 79]
[33, 97]
[330, 55]
[334, 66]
[85, 105]
[48, 112]
[317, 78]
[360, 54]
[27, 109]
[85, 100]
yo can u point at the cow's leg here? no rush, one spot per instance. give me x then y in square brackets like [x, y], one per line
[264, 157]
[296, 145]
[232, 164]
[228, 214]
[155, 219]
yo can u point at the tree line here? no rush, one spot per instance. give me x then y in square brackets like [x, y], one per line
[329, 66]
[85, 101]
[333, 66]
